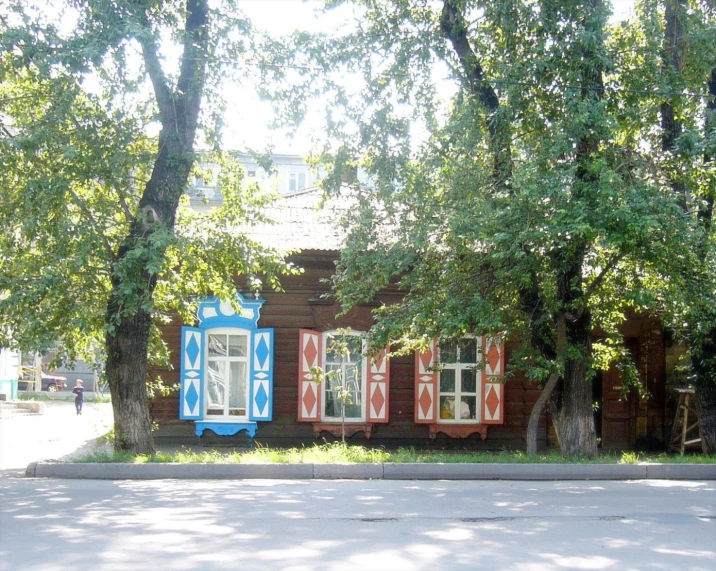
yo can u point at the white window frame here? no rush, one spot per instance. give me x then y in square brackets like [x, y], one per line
[458, 367]
[226, 417]
[327, 336]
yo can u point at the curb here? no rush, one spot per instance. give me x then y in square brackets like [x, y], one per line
[151, 471]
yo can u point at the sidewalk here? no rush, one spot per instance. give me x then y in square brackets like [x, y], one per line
[56, 434]
[44, 446]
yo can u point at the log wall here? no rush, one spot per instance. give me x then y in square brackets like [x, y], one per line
[301, 305]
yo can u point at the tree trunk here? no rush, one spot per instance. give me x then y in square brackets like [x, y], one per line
[571, 404]
[573, 416]
[706, 409]
[703, 363]
[127, 373]
[705, 360]
[531, 436]
[139, 259]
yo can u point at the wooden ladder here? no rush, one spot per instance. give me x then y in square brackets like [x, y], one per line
[683, 434]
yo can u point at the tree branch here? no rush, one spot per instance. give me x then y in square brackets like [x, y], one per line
[88, 213]
[191, 76]
[600, 278]
[150, 51]
[454, 28]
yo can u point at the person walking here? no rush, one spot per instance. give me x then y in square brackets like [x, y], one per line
[79, 392]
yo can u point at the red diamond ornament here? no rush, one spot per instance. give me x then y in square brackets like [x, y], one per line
[426, 359]
[425, 402]
[493, 357]
[309, 400]
[310, 352]
[492, 402]
[377, 400]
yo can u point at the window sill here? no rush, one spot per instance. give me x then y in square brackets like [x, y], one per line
[336, 429]
[458, 430]
[225, 427]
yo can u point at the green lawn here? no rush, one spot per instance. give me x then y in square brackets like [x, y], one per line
[339, 453]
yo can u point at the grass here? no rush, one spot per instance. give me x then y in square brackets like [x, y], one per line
[61, 396]
[340, 453]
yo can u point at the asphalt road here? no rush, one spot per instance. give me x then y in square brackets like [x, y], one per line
[50, 524]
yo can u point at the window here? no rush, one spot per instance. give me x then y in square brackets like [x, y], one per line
[251, 174]
[226, 368]
[363, 381]
[460, 381]
[459, 385]
[343, 387]
[296, 181]
[227, 373]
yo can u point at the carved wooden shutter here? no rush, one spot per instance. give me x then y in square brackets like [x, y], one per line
[261, 388]
[493, 402]
[310, 346]
[426, 385]
[378, 387]
[191, 398]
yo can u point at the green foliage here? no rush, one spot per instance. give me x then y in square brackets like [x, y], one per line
[75, 159]
[435, 224]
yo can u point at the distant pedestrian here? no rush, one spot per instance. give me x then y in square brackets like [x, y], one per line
[79, 392]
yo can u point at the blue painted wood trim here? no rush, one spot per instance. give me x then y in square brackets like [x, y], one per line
[191, 398]
[226, 428]
[261, 375]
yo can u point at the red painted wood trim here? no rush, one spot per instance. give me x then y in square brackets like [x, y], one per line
[351, 428]
[458, 430]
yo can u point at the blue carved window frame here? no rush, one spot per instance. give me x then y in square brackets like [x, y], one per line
[213, 313]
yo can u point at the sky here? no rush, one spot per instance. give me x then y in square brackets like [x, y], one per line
[248, 118]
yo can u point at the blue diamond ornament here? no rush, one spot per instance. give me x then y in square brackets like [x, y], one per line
[262, 354]
[191, 397]
[261, 399]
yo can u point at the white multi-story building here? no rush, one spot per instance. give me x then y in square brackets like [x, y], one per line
[289, 174]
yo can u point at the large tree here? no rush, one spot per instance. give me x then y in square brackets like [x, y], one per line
[92, 247]
[688, 144]
[529, 210]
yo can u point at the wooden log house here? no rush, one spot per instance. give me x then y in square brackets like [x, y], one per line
[248, 374]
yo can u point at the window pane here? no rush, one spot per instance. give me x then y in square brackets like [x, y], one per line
[217, 345]
[216, 387]
[331, 407]
[355, 348]
[468, 378]
[447, 407]
[292, 182]
[353, 410]
[237, 390]
[238, 345]
[447, 381]
[468, 351]
[333, 376]
[468, 408]
[352, 377]
[448, 352]
[301, 180]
